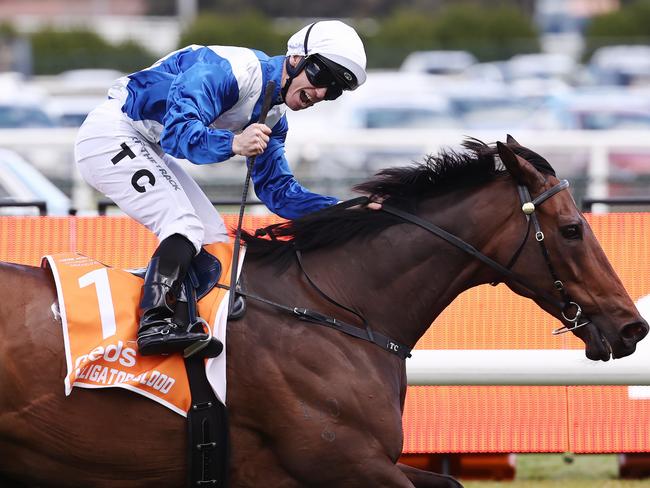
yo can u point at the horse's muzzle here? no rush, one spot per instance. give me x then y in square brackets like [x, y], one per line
[634, 332]
[628, 337]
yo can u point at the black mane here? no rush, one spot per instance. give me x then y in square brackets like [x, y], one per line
[401, 187]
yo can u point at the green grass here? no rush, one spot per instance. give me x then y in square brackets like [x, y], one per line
[559, 471]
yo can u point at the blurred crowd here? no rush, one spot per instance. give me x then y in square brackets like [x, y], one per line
[431, 89]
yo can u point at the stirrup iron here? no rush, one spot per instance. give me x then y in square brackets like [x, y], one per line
[199, 345]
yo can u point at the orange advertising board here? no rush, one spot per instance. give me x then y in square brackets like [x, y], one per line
[537, 418]
[443, 419]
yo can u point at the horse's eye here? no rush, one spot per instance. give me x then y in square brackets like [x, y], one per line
[571, 231]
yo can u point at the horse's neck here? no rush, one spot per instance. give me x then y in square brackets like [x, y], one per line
[398, 289]
[403, 292]
[404, 278]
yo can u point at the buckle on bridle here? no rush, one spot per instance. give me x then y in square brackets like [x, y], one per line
[574, 320]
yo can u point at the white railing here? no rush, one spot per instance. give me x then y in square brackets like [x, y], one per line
[524, 367]
[596, 145]
[309, 151]
[533, 366]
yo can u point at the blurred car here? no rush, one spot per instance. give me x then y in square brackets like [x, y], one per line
[611, 109]
[491, 72]
[489, 106]
[389, 100]
[539, 89]
[21, 104]
[71, 111]
[602, 109]
[21, 182]
[620, 65]
[541, 65]
[425, 111]
[23, 115]
[438, 62]
[87, 81]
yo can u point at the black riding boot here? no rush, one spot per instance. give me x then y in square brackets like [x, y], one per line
[158, 333]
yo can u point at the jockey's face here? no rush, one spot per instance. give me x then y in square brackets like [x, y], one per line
[301, 93]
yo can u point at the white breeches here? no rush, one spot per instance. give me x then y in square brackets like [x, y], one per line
[148, 185]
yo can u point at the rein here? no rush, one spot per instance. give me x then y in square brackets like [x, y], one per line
[386, 343]
[367, 334]
[528, 208]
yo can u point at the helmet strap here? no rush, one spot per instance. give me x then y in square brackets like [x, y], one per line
[293, 71]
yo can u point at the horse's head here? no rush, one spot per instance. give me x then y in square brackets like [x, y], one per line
[573, 278]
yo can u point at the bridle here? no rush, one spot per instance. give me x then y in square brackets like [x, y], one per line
[528, 207]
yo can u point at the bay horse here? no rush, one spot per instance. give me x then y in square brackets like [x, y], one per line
[310, 406]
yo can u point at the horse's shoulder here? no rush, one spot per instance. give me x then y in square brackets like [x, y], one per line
[15, 270]
[16, 267]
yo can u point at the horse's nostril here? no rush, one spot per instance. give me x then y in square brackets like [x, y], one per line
[635, 331]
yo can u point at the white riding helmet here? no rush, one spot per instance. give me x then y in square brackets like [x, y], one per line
[333, 41]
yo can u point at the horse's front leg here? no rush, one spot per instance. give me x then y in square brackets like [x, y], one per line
[427, 479]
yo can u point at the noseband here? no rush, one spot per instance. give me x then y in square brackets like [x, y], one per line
[567, 306]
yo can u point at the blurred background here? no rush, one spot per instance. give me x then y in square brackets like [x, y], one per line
[568, 78]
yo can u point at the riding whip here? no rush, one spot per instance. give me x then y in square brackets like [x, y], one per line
[250, 162]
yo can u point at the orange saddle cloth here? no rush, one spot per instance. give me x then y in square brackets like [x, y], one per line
[98, 307]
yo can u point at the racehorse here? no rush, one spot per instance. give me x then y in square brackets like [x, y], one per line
[311, 406]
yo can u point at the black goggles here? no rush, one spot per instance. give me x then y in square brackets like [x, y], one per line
[325, 74]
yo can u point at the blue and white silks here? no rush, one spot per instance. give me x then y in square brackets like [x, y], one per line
[193, 100]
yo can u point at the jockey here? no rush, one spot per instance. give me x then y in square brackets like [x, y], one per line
[202, 104]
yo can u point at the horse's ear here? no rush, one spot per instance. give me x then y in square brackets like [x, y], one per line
[511, 140]
[520, 169]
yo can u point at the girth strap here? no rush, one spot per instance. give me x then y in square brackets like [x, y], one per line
[208, 453]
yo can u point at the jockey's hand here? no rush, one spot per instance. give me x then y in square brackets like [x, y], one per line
[375, 204]
[252, 141]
